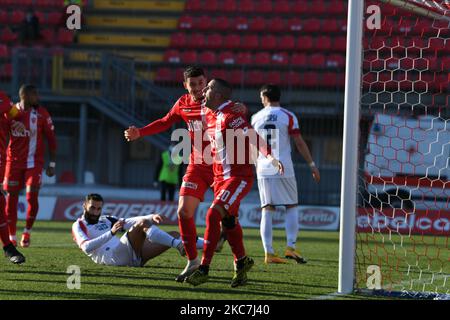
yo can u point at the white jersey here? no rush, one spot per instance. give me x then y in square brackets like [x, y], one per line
[96, 240]
[276, 125]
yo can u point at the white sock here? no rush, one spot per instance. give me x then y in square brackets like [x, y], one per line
[25, 230]
[291, 226]
[157, 235]
[266, 230]
[200, 242]
[12, 237]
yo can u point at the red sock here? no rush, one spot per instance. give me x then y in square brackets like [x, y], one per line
[32, 209]
[212, 235]
[4, 233]
[235, 238]
[188, 236]
[11, 213]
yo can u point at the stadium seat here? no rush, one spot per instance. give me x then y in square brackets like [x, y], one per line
[178, 75]
[331, 26]
[236, 77]
[16, 17]
[241, 23]
[41, 17]
[340, 44]
[264, 6]
[335, 61]
[282, 7]
[226, 57]
[48, 36]
[218, 73]
[299, 59]
[189, 56]
[318, 8]
[276, 24]
[329, 80]
[310, 79]
[232, 41]
[208, 57]
[312, 25]
[287, 42]
[214, 41]
[268, 42]
[299, 7]
[295, 24]
[89, 177]
[222, 23]
[67, 177]
[4, 51]
[273, 77]
[172, 56]
[254, 78]
[196, 40]
[64, 36]
[257, 24]
[337, 7]
[24, 3]
[229, 6]
[317, 60]
[186, 22]
[246, 6]
[305, 43]
[211, 6]
[291, 78]
[193, 5]
[262, 58]
[203, 22]
[7, 36]
[3, 17]
[54, 18]
[178, 40]
[323, 43]
[250, 41]
[280, 58]
[244, 58]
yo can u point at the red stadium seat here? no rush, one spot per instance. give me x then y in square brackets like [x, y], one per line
[178, 40]
[211, 6]
[291, 78]
[236, 77]
[48, 36]
[312, 25]
[305, 43]
[287, 42]
[25, 3]
[254, 78]
[264, 6]
[186, 22]
[250, 41]
[227, 57]
[64, 36]
[172, 56]
[178, 75]
[218, 73]
[203, 22]
[3, 17]
[268, 42]
[41, 17]
[335, 61]
[244, 58]
[229, 6]
[262, 58]
[337, 7]
[299, 7]
[318, 8]
[280, 58]
[54, 18]
[214, 41]
[241, 23]
[323, 43]
[208, 57]
[282, 7]
[276, 24]
[299, 59]
[197, 40]
[340, 44]
[16, 17]
[317, 60]
[246, 6]
[295, 24]
[330, 26]
[7, 36]
[311, 79]
[4, 52]
[222, 23]
[193, 5]
[329, 79]
[257, 24]
[273, 77]
[189, 57]
[232, 41]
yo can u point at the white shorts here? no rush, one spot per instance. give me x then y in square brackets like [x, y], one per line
[123, 254]
[278, 191]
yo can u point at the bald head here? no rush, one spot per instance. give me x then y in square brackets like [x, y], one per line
[217, 92]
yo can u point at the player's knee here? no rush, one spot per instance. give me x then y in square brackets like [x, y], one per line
[229, 222]
[185, 212]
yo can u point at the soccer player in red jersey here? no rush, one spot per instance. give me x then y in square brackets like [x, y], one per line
[25, 158]
[233, 178]
[199, 175]
[7, 111]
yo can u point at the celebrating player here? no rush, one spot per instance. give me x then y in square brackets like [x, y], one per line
[277, 125]
[25, 158]
[199, 175]
[95, 235]
[233, 179]
[7, 110]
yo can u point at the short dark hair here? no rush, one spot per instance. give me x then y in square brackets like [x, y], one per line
[26, 88]
[192, 72]
[94, 197]
[272, 92]
[224, 87]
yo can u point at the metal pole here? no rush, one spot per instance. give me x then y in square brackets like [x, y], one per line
[350, 147]
[82, 145]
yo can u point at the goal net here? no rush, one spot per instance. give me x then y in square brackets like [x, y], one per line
[403, 182]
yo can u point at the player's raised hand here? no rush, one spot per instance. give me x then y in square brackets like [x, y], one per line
[132, 133]
[117, 226]
[157, 218]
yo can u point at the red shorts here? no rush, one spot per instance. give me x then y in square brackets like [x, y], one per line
[196, 181]
[16, 179]
[229, 193]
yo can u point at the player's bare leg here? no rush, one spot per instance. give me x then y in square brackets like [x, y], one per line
[291, 234]
[136, 235]
[32, 193]
[151, 249]
[186, 210]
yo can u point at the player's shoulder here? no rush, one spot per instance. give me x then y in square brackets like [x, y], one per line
[287, 112]
[42, 111]
[259, 114]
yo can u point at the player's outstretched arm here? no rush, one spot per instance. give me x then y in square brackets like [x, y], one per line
[303, 149]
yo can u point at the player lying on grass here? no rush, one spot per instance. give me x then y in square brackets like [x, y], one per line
[95, 235]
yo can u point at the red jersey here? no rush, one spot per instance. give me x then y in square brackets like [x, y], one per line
[26, 149]
[229, 161]
[189, 111]
[5, 107]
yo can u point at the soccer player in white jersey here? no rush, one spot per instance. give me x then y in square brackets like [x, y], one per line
[95, 235]
[277, 125]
